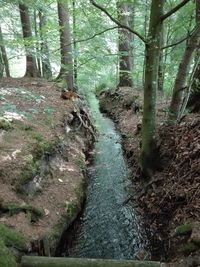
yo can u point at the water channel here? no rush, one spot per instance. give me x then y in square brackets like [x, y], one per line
[109, 229]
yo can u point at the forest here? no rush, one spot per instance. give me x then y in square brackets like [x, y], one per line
[99, 133]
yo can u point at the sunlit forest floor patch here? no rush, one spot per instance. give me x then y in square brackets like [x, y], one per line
[42, 146]
[170, 200]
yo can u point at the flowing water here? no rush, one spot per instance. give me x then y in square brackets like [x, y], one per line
[109, 228]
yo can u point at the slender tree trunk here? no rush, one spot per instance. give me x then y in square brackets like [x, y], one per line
[145, 35]
[125, 60]
[148, 153]
[161, 63]
[75, 44]
[1, 66]
[46, 65]
[66, 71]
[38, 56]
[4, 54]
[131, 12]
[31, 68]
[183, 70]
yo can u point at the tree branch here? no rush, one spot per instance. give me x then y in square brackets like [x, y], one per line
[96, 34]
[116, 21]
[178, 42]
[172, 11]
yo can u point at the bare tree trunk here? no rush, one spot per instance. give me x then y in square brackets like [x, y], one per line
[161, 63]
[183, 70]
[125, 60]
[1, 66]
[148, 153]
[66, 71]
[31, 68]
[38, 56]
[4, 54]
[74, 43]
[46, 65]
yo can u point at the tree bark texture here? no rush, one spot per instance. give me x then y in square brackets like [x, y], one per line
[4, 55]
[148, 153]
[31, 68]
[124, 46]
[66, 71]
[46, 65]
[70, 262]
[183, 69]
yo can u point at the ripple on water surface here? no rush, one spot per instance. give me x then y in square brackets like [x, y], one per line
[109, 228]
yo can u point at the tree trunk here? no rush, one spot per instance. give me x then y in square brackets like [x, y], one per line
[125, 60]
[161, 63]
[4, 54]
[148, 153]
[66, 71]
[183, 70]
[31, 68]
[38, 56]
[75, 44]
[76, 262]
[46, 65]
[1, 66]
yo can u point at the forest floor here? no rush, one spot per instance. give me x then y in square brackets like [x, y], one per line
[170, 201]
[42, 153]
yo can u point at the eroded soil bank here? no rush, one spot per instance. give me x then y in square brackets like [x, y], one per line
[170, 201]
[43, 145]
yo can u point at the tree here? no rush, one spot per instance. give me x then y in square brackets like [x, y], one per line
[4, 54]
[152, 52]
[183, 69]
[31, 68]
[125, 38]
[46, 65]
[149, 155]
[66, 71]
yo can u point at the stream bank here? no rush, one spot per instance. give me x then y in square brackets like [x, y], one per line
[166, 202]
[44, 141]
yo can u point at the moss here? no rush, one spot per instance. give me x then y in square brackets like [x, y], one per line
[189, 248]
[44, 147]
[11, 238]
[14, 208]
[5, 124]
[6, 258]
[28, 172]
[184, 229]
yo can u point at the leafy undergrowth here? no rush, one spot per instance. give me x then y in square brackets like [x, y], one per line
[170, 201]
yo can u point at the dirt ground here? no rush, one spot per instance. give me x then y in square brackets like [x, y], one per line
[170, 201]
[41, 138]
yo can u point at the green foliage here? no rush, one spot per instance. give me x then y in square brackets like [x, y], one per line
[6, 258]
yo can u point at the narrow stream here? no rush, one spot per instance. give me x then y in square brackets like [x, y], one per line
[109, 229]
